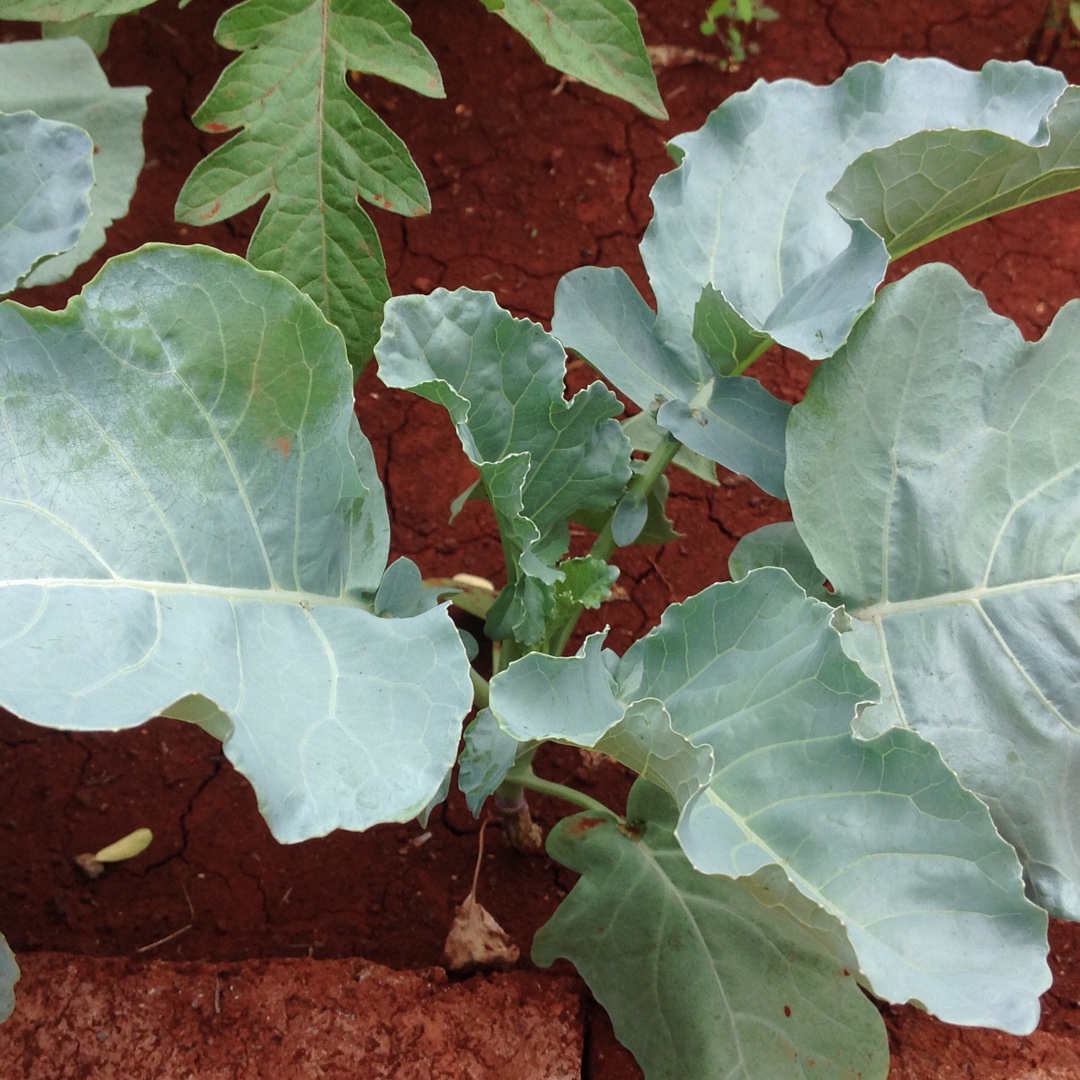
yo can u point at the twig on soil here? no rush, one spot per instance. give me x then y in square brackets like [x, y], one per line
[166, 939]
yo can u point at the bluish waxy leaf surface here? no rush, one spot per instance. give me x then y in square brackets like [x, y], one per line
[703, 976]
[734, 420]
[779, 544]
[646, 435]
[314, 147]
[191, 523]
[541, 458]
[488, 756]
[740, 704]
[935, 476]
[62, 80]
[568, 698]
[645, 740]
[780, 221]
[755, 670]
[46, 174]
[9, 976]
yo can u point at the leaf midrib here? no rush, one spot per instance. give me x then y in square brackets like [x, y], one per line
[973, 597]
[237, 593]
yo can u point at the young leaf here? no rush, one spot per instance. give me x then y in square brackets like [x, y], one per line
[62, 80]
[600, 315]
[700, 975]
[488, 756]
[745, 244]
[541, 458]
[645, 740]
[314, 147]
[598, 42]
[934, 478]
[567, 698]
[402, 592]
[188, 522]
[46, 173]
[586, 581]
[755, 670]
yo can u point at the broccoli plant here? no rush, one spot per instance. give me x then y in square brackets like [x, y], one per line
[854, 757]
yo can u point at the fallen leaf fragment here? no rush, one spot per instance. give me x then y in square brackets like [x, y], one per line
[476, 941]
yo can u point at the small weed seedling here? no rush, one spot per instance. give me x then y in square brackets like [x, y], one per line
[127, 847]
[730, 20]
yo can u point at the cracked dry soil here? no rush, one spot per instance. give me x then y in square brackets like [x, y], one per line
[530, 177]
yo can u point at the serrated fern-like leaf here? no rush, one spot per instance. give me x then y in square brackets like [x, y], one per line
[314, 147]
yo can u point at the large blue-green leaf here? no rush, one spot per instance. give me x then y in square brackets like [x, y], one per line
[779, 544]
[703, 976]
[748, 214]
[781, 218]
[314, 147]
[62, 80]
[880, 834]
[935, 476]
[541, 458]
[191, 524]
[46, 172]
[596, 41]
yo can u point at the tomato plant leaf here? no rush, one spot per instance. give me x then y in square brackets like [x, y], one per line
[541, 458]
[702, 973]
[189, 527]
[755, 670]
[314, 147]
[62, 80]
[598, 42]
[46, 173]
[934, 477]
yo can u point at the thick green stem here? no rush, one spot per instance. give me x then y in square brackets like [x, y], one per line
[744, 364]
[481, 694]
[519, 778]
